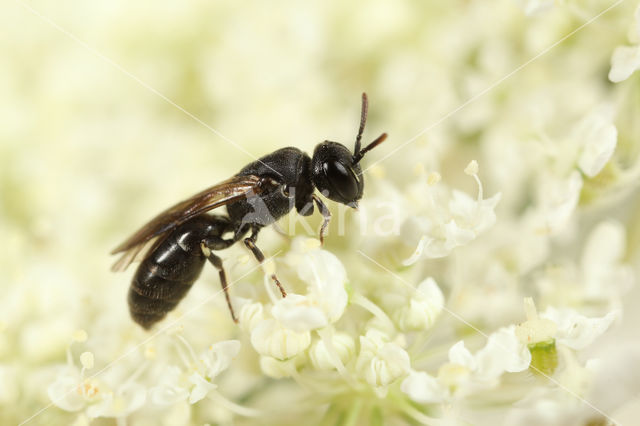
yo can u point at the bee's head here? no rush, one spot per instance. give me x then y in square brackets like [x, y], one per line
[336, 171]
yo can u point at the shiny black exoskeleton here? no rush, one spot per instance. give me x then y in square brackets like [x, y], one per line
[165, 276]
[260, 194]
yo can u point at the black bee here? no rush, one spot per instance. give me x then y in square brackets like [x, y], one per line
[175, 244]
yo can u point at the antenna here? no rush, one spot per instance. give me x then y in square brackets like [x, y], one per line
[363, 120]
[357, 152]
[378, 141]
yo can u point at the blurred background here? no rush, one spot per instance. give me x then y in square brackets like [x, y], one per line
[111, 111]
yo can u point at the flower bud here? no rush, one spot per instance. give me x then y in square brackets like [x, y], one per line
[251, 314]
[270, 338]
[343, 345]
[380, 363]
[423, 308]
[277, 369]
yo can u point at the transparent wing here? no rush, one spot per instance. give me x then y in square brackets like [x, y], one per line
[228, 191]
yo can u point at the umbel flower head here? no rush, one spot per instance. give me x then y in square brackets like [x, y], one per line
[510, 174]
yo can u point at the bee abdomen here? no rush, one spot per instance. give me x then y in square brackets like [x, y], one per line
[151, 296]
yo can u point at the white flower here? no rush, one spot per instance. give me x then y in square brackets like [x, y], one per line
[422, 388]
[624, 62]
[445, 228]
[71, 392]
[597, 136]
[465, 373]
[626, 59]
[171, 388]
[125, 401]
[535, 329]
[324, 275]
[278, 369]
[503, 353]
[176, 385]
[558, 198]
[218, 358]
[424, 307]
[299, 313]
[577, 331]
[342, 343]
[201, 387]
[270, 338]
[381, 362]
[474, 215]
[250, 315]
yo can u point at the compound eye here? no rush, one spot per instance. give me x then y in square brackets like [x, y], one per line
[342, 180]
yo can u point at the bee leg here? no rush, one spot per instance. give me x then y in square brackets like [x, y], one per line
[250, 242]
[217, 262]
[326, 216]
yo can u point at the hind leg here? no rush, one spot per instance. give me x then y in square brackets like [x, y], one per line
[217, 263]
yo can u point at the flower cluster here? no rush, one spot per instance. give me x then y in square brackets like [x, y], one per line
[488, 276]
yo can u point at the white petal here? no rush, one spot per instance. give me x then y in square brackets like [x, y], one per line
[171, 388]
[381, 362]
[422, 388]
[326, 278]
[624, 61]
[429, 290]
[388, 364]
[559, 198]
[299, 313]
[503, 352]
[64, 392]
[121, 404]
[102, 408]
[219, 357]
[343, 345]
[417, 253]
[201, 389]
[577, 331]
[276, 368]
[424, 307]
[456, 236]
[472, 214]
[460, 355]
[250, 315]
[462, 204]
[486, 216]
[269, 338]
[605, 246]
[135, 394]
[598, 137]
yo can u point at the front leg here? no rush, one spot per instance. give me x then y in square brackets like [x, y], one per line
[250, 242]
[326, 217]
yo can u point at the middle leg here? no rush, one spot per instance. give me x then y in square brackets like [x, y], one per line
[250, 242]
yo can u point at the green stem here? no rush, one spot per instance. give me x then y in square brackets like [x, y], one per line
[352, 415]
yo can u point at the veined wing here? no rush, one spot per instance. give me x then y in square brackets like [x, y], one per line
[228, 191]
